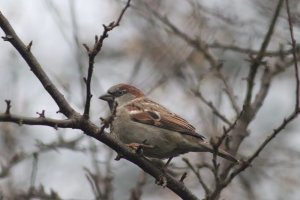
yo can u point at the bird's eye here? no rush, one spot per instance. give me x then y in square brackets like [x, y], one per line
[120, 92]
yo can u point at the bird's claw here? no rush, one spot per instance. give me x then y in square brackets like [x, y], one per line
[161, 180]
[138, 147]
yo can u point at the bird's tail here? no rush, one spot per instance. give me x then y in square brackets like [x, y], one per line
[220, 152]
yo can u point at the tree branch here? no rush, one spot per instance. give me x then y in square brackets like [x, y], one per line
[198, 44]
[294, 54]
[179, 188]
[54, 123]
[197, 173]
[238, 49]
[197, 93]
[81, 122]
[94, 52]
[257, 61]
[285, 122]
[35, 67]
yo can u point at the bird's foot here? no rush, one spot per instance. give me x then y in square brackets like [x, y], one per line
[138, 147]
[161, 180]
[135, 146]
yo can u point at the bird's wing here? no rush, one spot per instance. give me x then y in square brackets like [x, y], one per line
[148, 112]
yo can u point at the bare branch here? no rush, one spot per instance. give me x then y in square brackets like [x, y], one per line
[198, 44]
[247, 163]
[35, 67]
[93, 180]
[77, 121]
[183, 176]
[137, 191]
[266, 79]
[197, 93]
[294, 54]
[42, 148]
[94, 52]
[34, 170]
[238, 49]
[228, 90]
[285, 122]
[257, 61]
[38, 193]
[197, 173]
[55, 123]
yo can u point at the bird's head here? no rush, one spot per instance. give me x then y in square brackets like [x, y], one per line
[121, 94]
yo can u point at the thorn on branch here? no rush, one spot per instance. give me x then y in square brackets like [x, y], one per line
[86, 48]
[85, 80]
[168, 162]
[7, 37]
[111, 24]
[106, 29]
[184, 175]
[8, 106]
[42, 114]
[28, 48]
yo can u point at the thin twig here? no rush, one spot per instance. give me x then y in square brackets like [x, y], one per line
[238, 49]
[229, 91]
[294, 53]
[55, 123]
[197, 173]
[34, 170]
[198, 44]
[137, 191]
[247, 163]
[285, 122]
[76, 121]
[94, 52]
[35, 67]
[183, 176]
[257, 61]
[211, 106]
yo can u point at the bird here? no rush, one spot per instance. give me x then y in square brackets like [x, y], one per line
[141, 122]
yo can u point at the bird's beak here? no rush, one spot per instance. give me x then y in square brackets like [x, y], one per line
[107, 97]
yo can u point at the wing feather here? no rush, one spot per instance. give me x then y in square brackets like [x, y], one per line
[148, 112]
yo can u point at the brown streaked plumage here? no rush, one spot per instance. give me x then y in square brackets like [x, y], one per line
[161, 117]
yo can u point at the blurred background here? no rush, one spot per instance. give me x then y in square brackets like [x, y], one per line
[150, 49]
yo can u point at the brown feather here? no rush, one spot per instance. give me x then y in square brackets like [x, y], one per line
[154, 114]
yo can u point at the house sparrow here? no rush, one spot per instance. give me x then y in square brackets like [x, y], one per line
[160, 132]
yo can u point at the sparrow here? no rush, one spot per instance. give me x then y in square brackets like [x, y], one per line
[140, 122]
